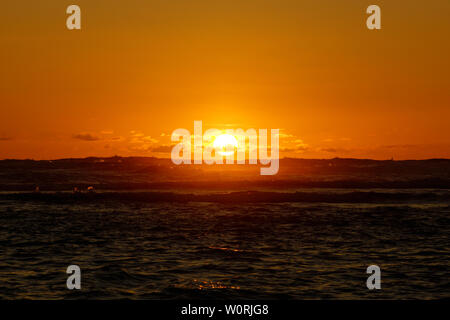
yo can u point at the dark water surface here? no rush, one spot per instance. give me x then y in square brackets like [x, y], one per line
[150, 250]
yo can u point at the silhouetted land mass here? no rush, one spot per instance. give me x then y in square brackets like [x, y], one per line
[146, 173]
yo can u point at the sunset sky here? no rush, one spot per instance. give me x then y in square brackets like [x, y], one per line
[139, 69]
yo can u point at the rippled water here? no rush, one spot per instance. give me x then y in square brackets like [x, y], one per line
[142, 250]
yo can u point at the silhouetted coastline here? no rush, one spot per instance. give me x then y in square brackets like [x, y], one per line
[141, 173]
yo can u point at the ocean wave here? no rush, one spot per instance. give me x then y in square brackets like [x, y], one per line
[236, 197]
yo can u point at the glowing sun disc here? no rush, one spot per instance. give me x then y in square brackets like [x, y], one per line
[223, 141]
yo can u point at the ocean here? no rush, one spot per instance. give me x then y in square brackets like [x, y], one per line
[300, 243]
[166, 250]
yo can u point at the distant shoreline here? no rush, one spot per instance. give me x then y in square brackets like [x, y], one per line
[150, 174]
[168, 159]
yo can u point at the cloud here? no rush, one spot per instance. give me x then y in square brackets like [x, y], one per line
[340, 139]
[333, 150]
[285, 135]
[294, 149]
[149, 139]
[5, 138]
[137, 135]
[162, 149]
[139, 142]
[301, 147]
[86, 137]
[298, 145]
[400, 146]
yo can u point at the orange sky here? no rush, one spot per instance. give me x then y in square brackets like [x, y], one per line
[140, 69]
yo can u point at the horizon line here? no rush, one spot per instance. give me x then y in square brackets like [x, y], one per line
[168, 158]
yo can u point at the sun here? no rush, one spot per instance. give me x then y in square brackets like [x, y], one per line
[224, 141]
